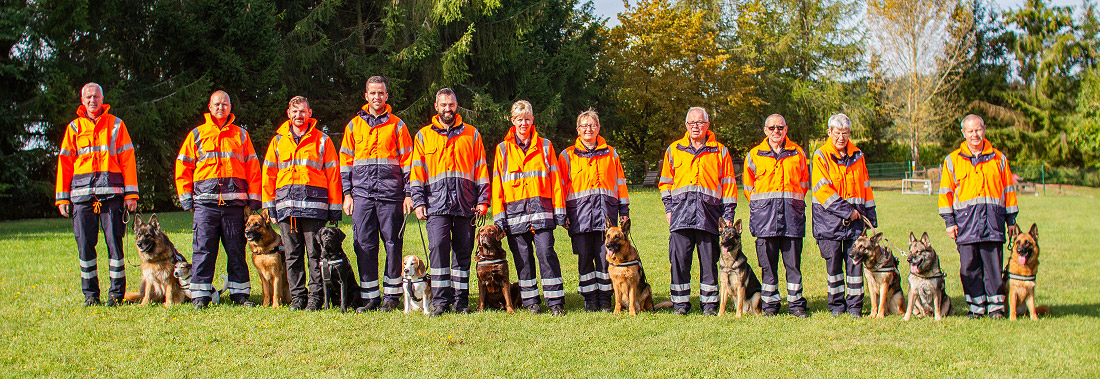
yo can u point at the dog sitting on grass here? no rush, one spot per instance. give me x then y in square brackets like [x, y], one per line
[158, 263]
[340, 284]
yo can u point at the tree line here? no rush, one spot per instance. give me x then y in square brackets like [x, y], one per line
[1029, 71]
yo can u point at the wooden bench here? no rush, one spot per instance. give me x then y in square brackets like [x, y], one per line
[651, 178]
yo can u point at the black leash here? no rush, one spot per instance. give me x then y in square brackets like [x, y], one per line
[423, 243]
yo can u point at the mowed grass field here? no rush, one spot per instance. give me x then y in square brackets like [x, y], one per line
[45, 332]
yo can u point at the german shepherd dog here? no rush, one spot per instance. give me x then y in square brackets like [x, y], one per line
[158, 284]
[495, 290]
[927, 288]
[1019, 276]
[627, 275]
[268, 257]
[735, 276]
[341, 286]
[880, 272]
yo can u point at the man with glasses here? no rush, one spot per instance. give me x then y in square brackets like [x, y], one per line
[776, 180]
[699, 190]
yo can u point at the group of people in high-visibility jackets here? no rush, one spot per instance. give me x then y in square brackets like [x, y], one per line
[381, 172]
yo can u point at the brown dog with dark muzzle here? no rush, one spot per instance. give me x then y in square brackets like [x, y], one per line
[495, 289]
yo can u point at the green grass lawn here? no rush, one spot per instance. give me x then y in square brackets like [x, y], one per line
[46, 332]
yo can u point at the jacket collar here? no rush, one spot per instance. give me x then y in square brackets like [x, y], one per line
[82, 111]
[364, 112]
[441, 129]
[987, 148]
[686, 141]
[511, 136]
[211, 123]
[284, 129]
[828, 148]
[600, 144]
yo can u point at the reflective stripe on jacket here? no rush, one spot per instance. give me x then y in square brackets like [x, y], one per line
[449, 175]
[776, 184]
[698, 186]
[978, 194]
[527, 189]
[594, 186]
[301, 179]
[840, 186]
[96, 160]
[375, 160]
[217, 165]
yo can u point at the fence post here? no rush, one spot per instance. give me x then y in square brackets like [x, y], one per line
[1043, 175]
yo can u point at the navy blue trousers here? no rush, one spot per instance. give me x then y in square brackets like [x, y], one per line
[681, 244]
[371, 219]
[525, 248]
[450, 243]
[980, 266]
[212, 224]
[767, 252]
[837, 263]
[86, 226]
[594, 284]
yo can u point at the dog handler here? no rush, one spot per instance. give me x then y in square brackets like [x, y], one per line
[528, 203]
[375, 158]
[449, 185]
[595, 193]
[218, 178]
[96, 178]
[302, 191]
[699, 189]
[977, 199]
[841, 194]
[776, 180]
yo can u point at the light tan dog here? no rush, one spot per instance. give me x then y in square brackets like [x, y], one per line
[1019, 275]
[880, 273]
[158, 284]
[269, 258]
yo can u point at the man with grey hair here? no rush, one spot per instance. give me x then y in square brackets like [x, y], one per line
[977, 200]
[841, 199]
[776, 179]
[95, 192]
[699, 191]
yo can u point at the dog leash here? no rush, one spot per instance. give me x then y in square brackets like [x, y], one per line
[873, 229]
[420, 228]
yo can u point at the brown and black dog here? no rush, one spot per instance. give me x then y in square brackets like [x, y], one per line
[735, 275]
[495, 290]
[626, 271]
[1019, 276]
[158, 263]
[268, 257]
[880, 274]
[927, 287]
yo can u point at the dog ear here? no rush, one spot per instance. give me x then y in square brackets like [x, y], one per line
[912, 238]
[607, 221]
[340, 234]
[154, 222]
[925, 239]
[496, 232]
[317, 238]
[1034, 232]
[876, 238]
[421, 268]
[737, 226]
[137, 222]
[625, 226]
[265, 216]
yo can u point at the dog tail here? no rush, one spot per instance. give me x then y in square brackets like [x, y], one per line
[131, 296]
[663, 304]
[1042, 310]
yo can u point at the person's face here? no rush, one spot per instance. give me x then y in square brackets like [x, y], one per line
[219, 105]
[776, 130]
[839, 137]
[696, 125]
[445, 107]
[523, 124]
[299, 114]
[376, 96]
[588, 129]
[974, 133]
[92, 98]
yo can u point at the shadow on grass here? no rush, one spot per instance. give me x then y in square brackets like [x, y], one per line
[1065, 310]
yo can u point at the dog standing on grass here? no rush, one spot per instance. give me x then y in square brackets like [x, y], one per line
[158, 284]
[1019, 276]
[927, 288]
[735, 276]
[340, 285]
[268, 257]
[880, 272]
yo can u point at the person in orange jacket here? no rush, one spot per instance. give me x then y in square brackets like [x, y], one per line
[595, 194]
[842, 197]
[776, 179]
[218, 179]
[448, 186]
[528, 203]
[302, 192]
[96, 181]
[977, 200]
[699, 190]
[375, 160]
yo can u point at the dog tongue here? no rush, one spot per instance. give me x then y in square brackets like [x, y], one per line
[1021, 260]
[913, 269]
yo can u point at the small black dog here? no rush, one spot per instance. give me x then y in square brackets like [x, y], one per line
[341, 285]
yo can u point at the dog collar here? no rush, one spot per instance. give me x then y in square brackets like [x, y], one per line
[1021, 277]
[937, 276]
[335, 261]
[889, 269]
[417, 280]
[278, 249]
[491, 262]
[636, 262]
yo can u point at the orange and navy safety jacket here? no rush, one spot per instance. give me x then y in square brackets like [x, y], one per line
[301, 178]
[594, 186]
[527, 187]
[96, 161]
[375, 157]
[698, 186]
[840, 185]
[217, 165]
[449, 175]
[776, 184]
[978, 194]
